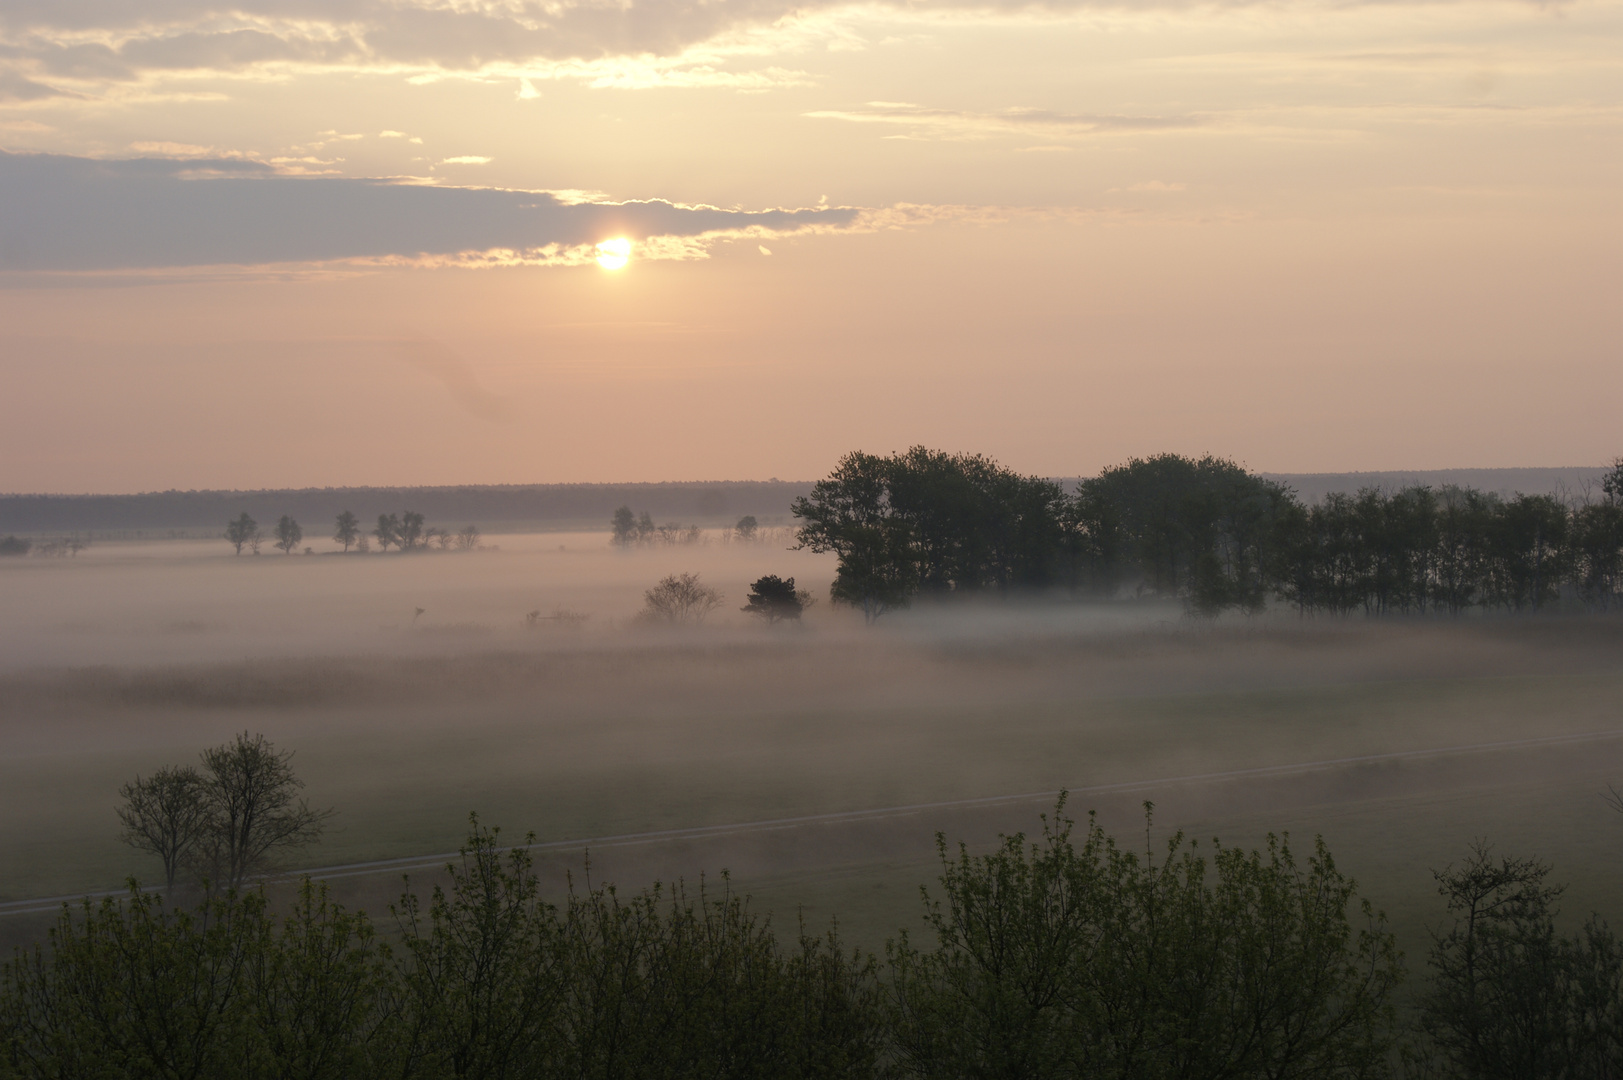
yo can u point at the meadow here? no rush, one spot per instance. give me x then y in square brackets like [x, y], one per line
[133, 656]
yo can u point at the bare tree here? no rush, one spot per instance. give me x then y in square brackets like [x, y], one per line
[164, 815]
[288, 534]
[680, 600]
[253, 811]
[467, 538]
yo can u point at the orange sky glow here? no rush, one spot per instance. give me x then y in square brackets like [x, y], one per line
[389, 242]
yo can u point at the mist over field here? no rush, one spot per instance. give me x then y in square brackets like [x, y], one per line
[132, 656]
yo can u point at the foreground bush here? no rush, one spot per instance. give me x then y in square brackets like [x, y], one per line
[1058, 960]
[486, 981]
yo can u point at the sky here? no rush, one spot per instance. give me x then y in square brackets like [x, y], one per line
[290, 243]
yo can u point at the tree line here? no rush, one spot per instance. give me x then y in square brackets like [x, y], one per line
[405, 532]
[1066, 956]
[629, 529]
[1206, 532]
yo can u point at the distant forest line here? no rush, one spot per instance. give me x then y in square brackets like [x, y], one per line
[545, 507]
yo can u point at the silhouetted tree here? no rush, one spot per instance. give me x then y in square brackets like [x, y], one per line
[746, 527]
[467, 538]
[411, 530]
[164, 815]
[242, 530]
[11, 545]
[624, 526]
[1509, 997]
[680, 599]
[288, 534]
[774, 599]
[253, 810]
[388, 530]
[346, 530]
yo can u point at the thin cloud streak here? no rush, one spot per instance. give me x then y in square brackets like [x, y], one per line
[963, 124]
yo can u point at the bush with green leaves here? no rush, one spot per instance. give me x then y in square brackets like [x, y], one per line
[1058, 959]
[485, 980]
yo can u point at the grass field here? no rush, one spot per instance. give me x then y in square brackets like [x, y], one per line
[612, 730]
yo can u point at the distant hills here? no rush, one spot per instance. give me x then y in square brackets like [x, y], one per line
[549, 507]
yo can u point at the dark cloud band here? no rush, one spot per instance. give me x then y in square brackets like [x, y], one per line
[60, 213]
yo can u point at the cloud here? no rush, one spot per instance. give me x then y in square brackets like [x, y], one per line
[928, 123]
[467, 159]
[15, 87]
[75, 214]
[626, 42]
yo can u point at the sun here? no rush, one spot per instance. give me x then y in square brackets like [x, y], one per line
[614, 254]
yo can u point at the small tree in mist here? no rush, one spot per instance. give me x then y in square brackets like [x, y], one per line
[388, 530]
[680, 600]
[774, 599]
[288, 534]
[467, 538]
[253, 810]
[624, 527]
[346, 530]
[164, 815]
[410, 533]
[747, 527]
[242, 530]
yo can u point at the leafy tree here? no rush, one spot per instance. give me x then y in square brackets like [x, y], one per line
[673, 986]
[242, 530]
[411, 530]
[10, 545]
[1611, 484]
[288, 534]
[253, 810]
[680, 599]
[1204, 531]
[131, 988]
[346, 530]
[165, 815]
[624, 526]
[774, 599]
[486, 983]
[1059, 960]
[1597, 553]
[746, 527]
[645, 527]
[848, 514]
[388, 531]
[1527, 552]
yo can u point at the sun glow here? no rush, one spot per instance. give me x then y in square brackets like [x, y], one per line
[614, 254]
